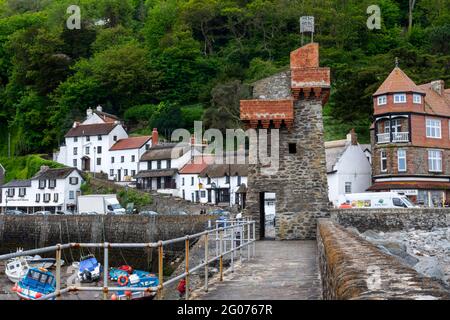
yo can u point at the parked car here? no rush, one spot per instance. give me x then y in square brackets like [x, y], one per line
[90, 213]
[220, 212]
[14, 212]
[148, 213]
[64, 212]
[42, 213]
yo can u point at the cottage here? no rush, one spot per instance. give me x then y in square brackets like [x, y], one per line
[49, 189]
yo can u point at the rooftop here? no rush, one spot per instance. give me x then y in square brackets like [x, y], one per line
[17, 184]
[398, 81]
[60, 173]
[164, 152]
[131, 143]
[91, 129]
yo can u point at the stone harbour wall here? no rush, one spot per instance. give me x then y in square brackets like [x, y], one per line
[29, 232]
[392, 219]
[353, 268]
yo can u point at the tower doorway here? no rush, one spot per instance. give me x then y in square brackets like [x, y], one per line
[267, 203]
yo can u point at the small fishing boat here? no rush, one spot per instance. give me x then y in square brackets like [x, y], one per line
[16, 269]
[39, 262]
[127, 277]
[37, 283]
[89, 269]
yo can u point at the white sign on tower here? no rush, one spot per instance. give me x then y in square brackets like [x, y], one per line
[307, 26]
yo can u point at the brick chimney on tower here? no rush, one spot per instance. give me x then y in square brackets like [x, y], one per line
[155, 137]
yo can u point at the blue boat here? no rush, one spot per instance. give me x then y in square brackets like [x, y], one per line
[89, 269]
[127, 277]
[37, 283]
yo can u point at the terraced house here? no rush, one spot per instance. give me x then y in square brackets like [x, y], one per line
[410, 139]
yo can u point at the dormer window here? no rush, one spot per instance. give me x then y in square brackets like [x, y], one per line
[400, 98]
[417, 98]
[382, 100]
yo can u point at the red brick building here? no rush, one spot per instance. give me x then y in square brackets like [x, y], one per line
[411, 139]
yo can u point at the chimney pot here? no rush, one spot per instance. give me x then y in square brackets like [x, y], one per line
[89, 112]
[155, 137]
[438, 86]
[76, 124]
[352, 137]
[99, 108]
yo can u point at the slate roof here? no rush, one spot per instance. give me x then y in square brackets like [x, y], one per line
[17, 184]
[55, 174]
[91, 129]
[397, 81]
[434, 102]
[220, 170]
[164, 152]
[156, 173]
[107, 117]
[130, 143]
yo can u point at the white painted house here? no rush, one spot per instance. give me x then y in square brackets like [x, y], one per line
[101, 144]
[348, 167]
[49, 190]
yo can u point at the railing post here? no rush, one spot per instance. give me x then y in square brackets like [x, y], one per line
[206, 261]
[248, 240]
[160, 270]
[217, 239]
[187, 268]
[58, 270]
[254, 238]
[105, 270]
[221, 257]
[232, 248]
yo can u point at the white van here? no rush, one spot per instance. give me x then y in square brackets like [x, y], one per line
[374, 200]
[100, 204]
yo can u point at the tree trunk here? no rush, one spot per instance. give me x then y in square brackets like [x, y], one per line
[412, 3]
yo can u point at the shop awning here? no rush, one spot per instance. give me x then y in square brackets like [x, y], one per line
[419, 185]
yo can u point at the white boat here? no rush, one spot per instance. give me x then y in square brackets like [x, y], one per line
[16, 269]
[39, 262]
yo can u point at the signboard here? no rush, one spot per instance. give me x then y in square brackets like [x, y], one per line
[307, 24]
[407, 192]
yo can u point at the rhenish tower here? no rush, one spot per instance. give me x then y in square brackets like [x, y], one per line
[291, 102]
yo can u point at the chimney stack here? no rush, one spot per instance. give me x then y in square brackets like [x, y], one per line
[352, 137]
[99, 108]
[76, 124]
[438, 86]
[89, 112]
[43, 169]
[155, 137]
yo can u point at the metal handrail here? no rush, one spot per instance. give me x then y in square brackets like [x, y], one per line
[223, 236]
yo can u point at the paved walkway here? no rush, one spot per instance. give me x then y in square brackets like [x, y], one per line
[285, 270]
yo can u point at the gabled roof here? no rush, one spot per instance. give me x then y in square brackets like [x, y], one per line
[17, 184]
[164, 152]
[222, 170]
[156, 173]
[91, 129]
[130, 143]
[333, 152]
[397, 81]
[107, 117]
[196, 166]
[60, 173]
[434, 102]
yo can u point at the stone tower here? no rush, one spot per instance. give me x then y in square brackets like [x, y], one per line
[291, 102]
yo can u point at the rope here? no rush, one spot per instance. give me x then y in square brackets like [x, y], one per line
[61, 241]
[68, 238]
[126, 263]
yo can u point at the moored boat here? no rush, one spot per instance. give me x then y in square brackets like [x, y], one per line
[16, 269]
[127, 277]
[37, 283]
[89, 269]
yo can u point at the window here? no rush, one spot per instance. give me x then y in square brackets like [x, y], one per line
[11, 192]
[99, 150]
[99, 138]
[38, 197]
[73, 180]
[184, 194]
[417, 98]
[115, 138]
[122, 159]
[239, 181]
[22, 192]
[125, 172]
[396, 126]
[435, 160]
[133, 158]
[133, 173]
[75, 139]
[47, 197]
[149, 165]
[158, 164]
[87, 150]
[398, 203]
[42, 184]
[182, 181]
[71, 195]
[169, 164]
[112, 159]
[400, 98]
[75, 151]
[401, 155]
[209, 180]
[99, 161]
[348, 187]
[292, 148]
[75, 163]
[52, 184]
[111, 172]
[147, 146]
[227, 179]
[202, 194]
[88, 138]
[192, 181]
[383, 160]
[55, 197]
[433, 128]
[382, 100]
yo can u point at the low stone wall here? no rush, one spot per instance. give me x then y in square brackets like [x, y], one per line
[353, 268]
[31, 232]
[392, 219]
